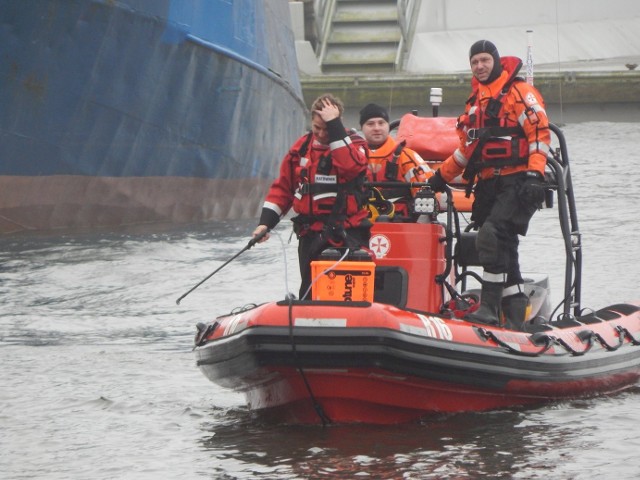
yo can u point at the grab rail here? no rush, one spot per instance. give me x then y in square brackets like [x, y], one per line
[568, 225]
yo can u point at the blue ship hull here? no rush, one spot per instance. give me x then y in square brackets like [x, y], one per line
[142, 111]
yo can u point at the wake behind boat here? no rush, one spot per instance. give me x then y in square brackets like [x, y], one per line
[158, 112]
[383, 340]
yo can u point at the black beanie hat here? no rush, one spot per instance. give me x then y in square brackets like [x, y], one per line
[373, 111]
[485, 46]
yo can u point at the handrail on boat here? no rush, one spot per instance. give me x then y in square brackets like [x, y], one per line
[568, 217]
[558, 179]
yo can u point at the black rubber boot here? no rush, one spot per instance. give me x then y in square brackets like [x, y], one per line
[514, 310]
[489, 311]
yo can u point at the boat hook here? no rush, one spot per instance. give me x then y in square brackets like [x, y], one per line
[251, 243]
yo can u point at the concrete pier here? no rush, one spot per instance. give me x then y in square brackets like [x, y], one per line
[608, 95]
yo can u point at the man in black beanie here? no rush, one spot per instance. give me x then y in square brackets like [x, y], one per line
[504, 142]
[390, 161]
[373, 111]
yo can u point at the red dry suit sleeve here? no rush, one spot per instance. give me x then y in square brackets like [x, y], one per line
[347, 152]
[279, 198]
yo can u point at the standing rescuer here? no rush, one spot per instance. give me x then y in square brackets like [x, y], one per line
[322, 179]
[504, 142]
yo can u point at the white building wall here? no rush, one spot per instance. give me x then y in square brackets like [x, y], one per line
[567, 34]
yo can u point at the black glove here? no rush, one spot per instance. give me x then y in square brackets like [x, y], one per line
[532, 188]
[436, 182]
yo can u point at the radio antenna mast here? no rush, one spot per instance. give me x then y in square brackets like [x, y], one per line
[529, 64]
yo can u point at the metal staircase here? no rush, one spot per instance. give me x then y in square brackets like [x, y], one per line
[359, 36]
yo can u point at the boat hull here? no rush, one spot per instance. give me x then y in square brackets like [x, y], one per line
[123, 113]
[85, 203]
[373, 363]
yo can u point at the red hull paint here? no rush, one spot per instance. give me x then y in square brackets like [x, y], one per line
[68, 202]
[379, 397]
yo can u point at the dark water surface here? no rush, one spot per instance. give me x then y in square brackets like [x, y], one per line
[98, 380]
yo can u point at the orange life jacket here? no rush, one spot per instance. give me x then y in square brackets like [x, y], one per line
[393, 162]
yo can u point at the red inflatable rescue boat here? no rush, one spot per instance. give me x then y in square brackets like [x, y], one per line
[382, 339]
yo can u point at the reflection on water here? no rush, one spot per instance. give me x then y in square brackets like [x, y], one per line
[442, 446]
[529, 443]
[99, 380]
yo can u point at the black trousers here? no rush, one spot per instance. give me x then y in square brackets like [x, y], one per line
[501, 215]
[312, 244]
